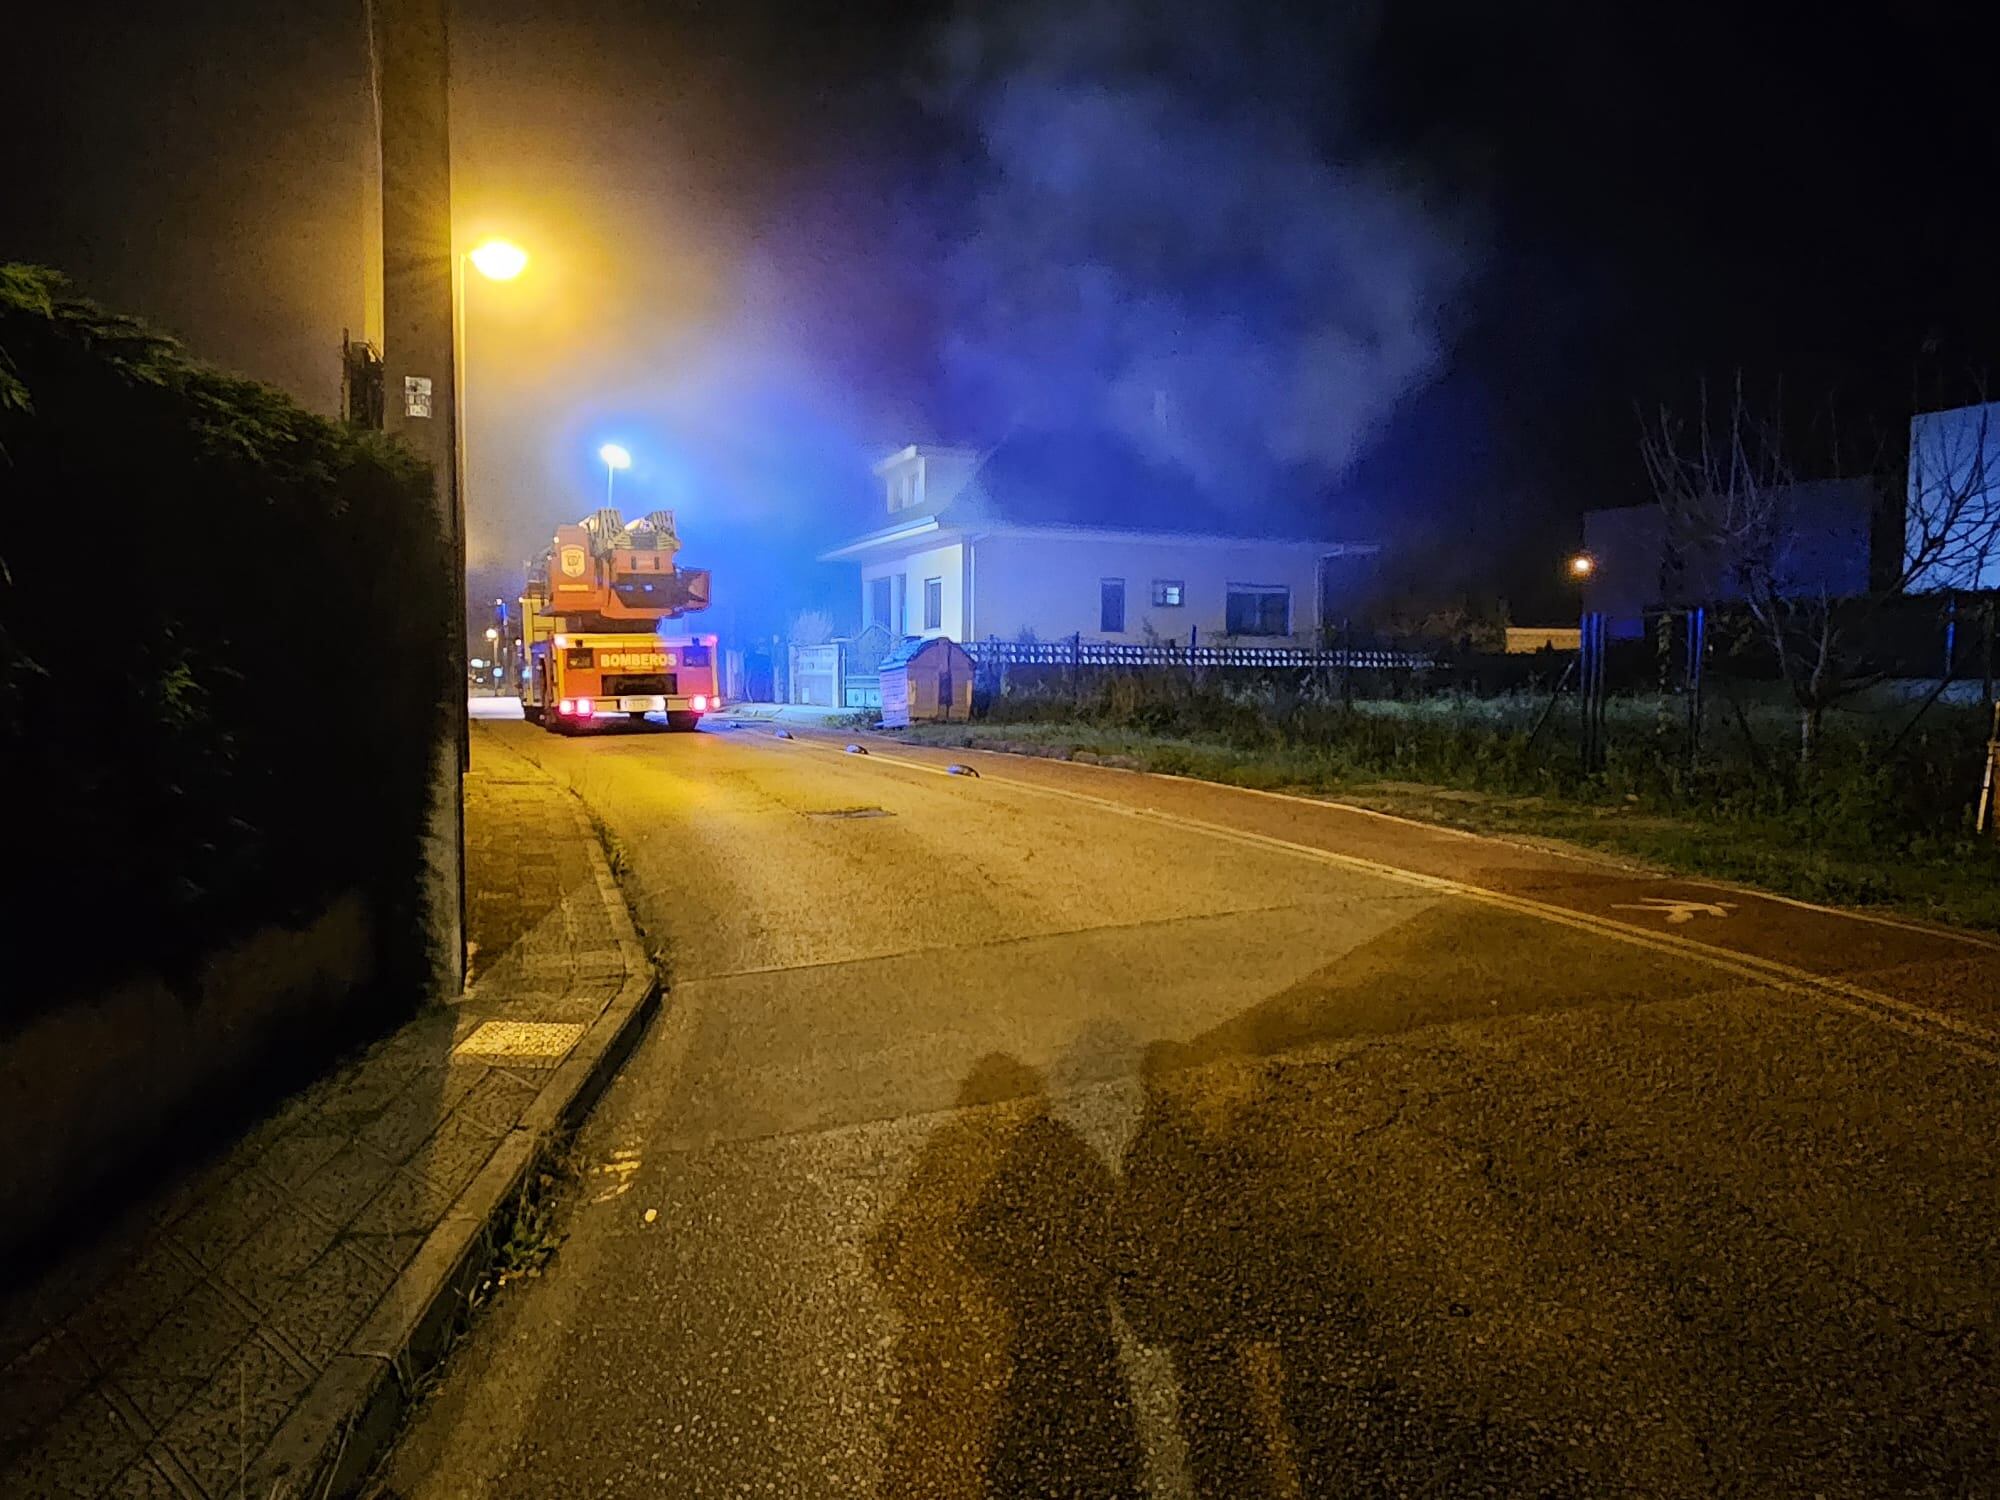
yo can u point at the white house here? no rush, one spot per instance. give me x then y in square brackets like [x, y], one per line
[1013, 541]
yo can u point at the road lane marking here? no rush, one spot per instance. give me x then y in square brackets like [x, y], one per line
[1918, 1020]
[1675, 910]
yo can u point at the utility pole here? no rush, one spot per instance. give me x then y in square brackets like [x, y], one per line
[410, 70]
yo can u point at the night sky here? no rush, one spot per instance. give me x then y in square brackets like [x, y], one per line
[1403, 268]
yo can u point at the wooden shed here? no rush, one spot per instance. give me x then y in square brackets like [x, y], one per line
[926, 681]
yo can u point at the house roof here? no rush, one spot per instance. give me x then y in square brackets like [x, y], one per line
[1080, 484]
[911, 647]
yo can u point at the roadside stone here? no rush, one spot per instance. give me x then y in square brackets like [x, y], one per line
[275, 1254]
[79, 1453]
[409, 1203]
[180, 1355]
[298, 1153]
[144, 1481]
[337, 1190]
[455, 1150]
[318, 1309]
[498, 1099]
[234, 1415]
[226, 1217]
[39, 1383]
[132, 1301]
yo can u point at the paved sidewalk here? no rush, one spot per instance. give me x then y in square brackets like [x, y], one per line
[797, 714]
[221, 1338]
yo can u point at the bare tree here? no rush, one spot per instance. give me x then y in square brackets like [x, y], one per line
[1732, 501]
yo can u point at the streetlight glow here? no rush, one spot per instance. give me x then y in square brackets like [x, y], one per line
[492, 634]
[499, 260]
[1582, 565]
[615, 458]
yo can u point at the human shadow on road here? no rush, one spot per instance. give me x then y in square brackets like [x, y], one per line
[997, 1256]
[1274, 1234]
[1293, 1378]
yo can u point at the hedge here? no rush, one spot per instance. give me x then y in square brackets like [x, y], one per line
[223, 628]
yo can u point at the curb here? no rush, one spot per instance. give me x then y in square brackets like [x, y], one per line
[351, 1414]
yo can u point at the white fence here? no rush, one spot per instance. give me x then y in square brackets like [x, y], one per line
[1081, 653]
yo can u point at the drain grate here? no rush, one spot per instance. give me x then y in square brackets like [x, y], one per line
[851, 812]
[520, 1041]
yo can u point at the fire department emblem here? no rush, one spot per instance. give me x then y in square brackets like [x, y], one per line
[573, 562]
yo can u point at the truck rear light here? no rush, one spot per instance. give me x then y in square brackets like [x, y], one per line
[698, 703]
[568, 706]
[585, 708]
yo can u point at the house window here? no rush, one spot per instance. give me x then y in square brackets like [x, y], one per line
[933, 603]
[1259, 609]
[1167, 592]
[1111, 606]
[878, 602]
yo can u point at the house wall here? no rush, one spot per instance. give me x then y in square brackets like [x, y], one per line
[1954, 489]
[1825, 529]
[1050, 585]
[947, 563]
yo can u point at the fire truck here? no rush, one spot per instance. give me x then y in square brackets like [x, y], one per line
[593, 608]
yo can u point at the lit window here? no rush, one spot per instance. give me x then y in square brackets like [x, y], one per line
[933, 603]
[1259, 609]
[1167, 592]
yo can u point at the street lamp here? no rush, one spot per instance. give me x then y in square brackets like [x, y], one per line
[496, 260]
[615, 458]
[1582, 565]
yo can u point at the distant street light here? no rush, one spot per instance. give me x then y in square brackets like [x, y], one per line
[492, 634]
[1582, 565]
[615, 458]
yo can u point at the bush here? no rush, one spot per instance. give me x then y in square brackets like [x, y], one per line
[1874, 791]
[223, 628]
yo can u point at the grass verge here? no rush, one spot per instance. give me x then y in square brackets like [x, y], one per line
[1960, 886]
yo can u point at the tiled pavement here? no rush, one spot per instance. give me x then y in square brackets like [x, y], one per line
[161, 1360]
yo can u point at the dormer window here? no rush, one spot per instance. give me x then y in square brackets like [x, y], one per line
[905, 487]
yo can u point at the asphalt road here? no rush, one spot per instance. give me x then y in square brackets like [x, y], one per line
[1067, 1132]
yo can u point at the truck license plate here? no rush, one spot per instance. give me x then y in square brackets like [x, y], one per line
[636, 705]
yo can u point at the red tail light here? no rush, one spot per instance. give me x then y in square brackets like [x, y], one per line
[698, 703]
[568, 706]
[584, 708]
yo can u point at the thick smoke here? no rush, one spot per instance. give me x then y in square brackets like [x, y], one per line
[1173, 240]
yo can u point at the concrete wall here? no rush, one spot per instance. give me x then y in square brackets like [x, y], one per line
[110, 1080]
[1051, 585]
